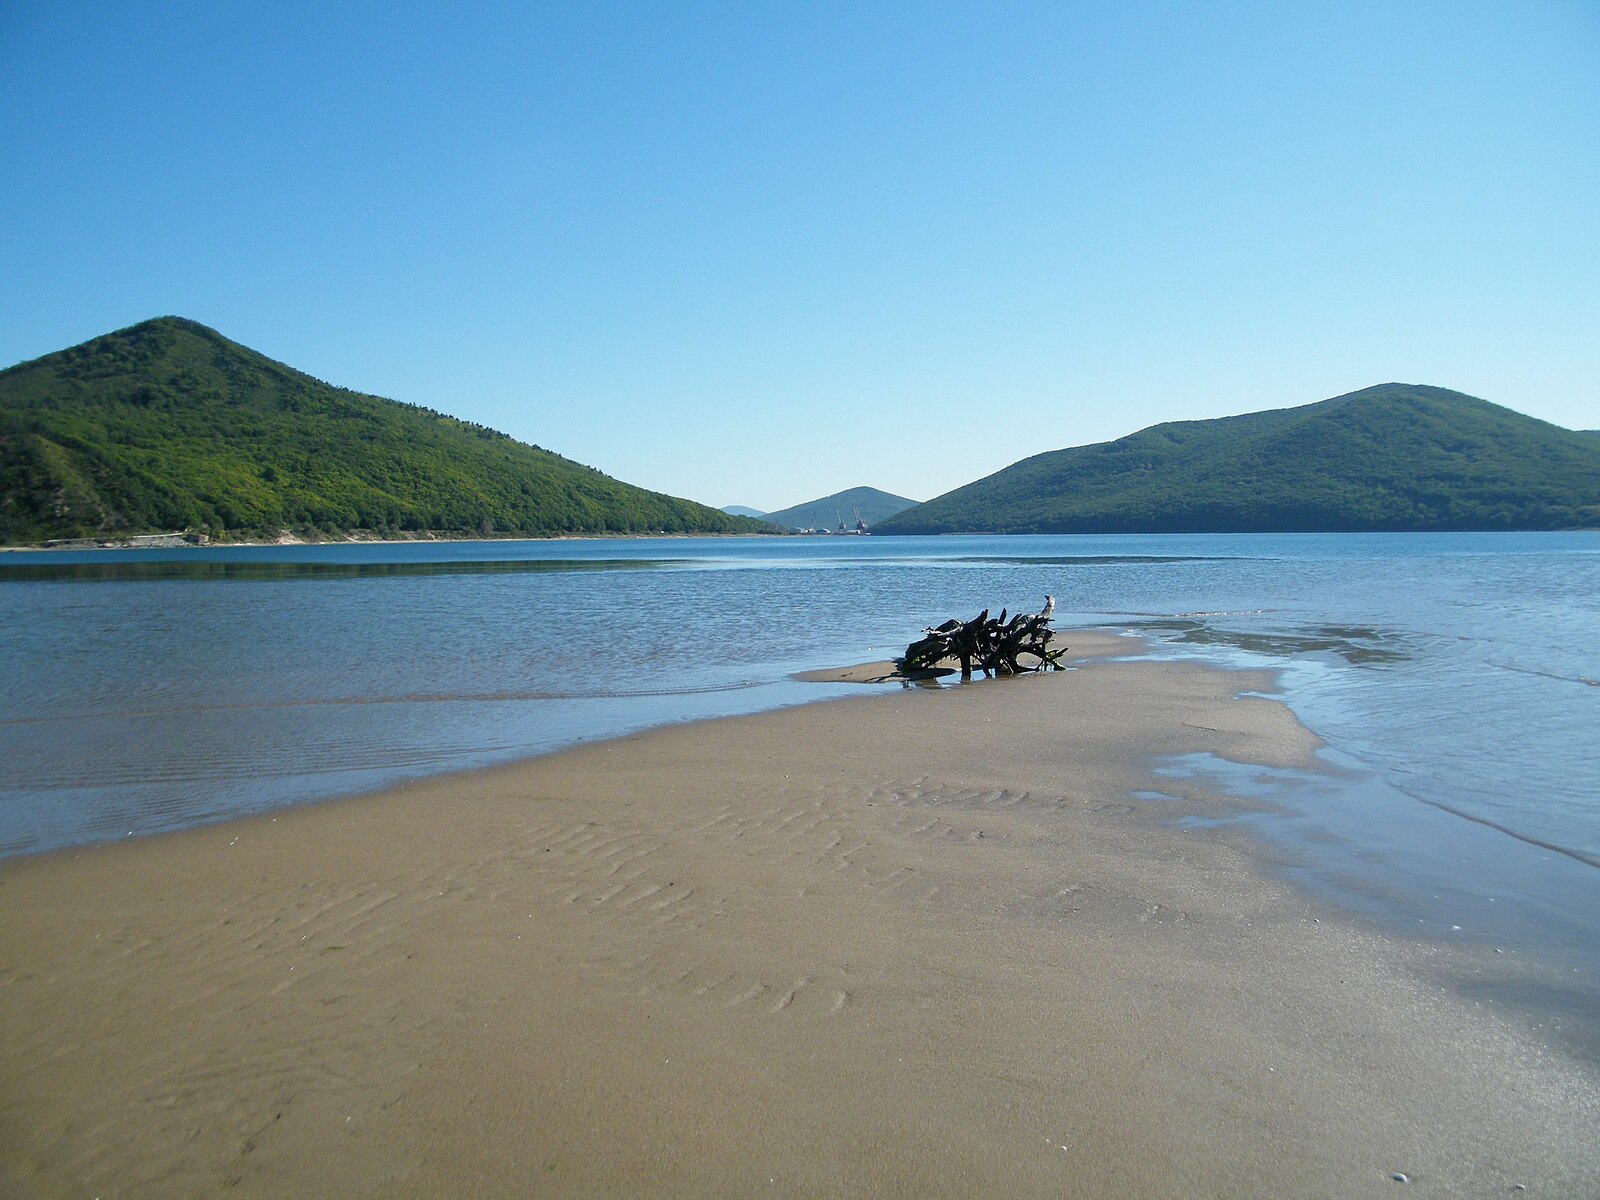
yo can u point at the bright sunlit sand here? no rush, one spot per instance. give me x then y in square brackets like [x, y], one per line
[917, 943]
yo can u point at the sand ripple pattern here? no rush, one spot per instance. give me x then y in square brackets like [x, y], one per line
[318, 999]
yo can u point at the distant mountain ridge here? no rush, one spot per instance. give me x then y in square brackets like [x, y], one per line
[1390, 457]
[869, 505]
[168, 425]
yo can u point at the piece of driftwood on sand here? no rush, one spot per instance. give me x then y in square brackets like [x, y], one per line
[994, 645]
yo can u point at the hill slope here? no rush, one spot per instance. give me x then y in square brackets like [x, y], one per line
[872, 505]
[1391, 457]
[169, 425]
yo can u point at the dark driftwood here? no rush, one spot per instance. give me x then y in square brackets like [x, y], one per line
[993, 645]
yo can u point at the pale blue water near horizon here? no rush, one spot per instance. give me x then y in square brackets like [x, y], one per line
[1454, 677]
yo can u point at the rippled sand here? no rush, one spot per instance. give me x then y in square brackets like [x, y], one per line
[917, 943]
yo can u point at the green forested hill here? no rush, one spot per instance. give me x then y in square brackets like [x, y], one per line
[870, 504]
[168, 426]
[1392, 457]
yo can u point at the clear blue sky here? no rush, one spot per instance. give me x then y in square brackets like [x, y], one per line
[754, 254]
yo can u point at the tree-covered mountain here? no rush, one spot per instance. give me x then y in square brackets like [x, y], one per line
[1391, 457]
[168, 425]
[868, 505]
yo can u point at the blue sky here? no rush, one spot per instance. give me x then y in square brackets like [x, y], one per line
[756, 254]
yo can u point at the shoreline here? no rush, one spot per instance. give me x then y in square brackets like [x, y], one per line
[915, 942]
[293, 539]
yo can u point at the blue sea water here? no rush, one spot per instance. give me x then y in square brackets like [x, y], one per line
[1456, 677]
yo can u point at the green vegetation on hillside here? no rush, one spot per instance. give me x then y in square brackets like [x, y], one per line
[870, 504]
[1392, 457]
[168, 426]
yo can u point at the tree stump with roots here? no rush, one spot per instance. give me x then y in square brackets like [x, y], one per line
[993, 645]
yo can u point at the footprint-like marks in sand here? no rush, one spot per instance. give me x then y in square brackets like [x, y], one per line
[647, 877]
[1073, 900]
[608, 873]
[927, 793]
[824, 993]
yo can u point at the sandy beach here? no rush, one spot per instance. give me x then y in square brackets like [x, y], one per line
[917, 943]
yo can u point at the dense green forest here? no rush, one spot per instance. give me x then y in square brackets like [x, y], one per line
[170, 426]
[871, 504]
[1392, 457]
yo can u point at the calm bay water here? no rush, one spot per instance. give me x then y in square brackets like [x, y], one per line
[147, 691]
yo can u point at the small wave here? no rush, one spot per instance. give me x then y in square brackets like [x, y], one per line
[1583, 679]
[1577, 855]
[1189, 616]
[410, 698]
[151, 779]
[1089, 560]
[250, 570]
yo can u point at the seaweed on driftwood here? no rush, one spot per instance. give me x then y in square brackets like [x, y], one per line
[994, 645]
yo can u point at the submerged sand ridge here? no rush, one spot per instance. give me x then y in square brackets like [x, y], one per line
[919, 943]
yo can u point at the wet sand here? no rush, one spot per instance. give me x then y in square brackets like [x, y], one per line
[919, 943]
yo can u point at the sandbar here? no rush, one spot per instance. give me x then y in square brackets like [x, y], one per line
[920, 942]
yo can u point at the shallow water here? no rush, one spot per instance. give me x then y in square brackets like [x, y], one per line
[150, 690]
